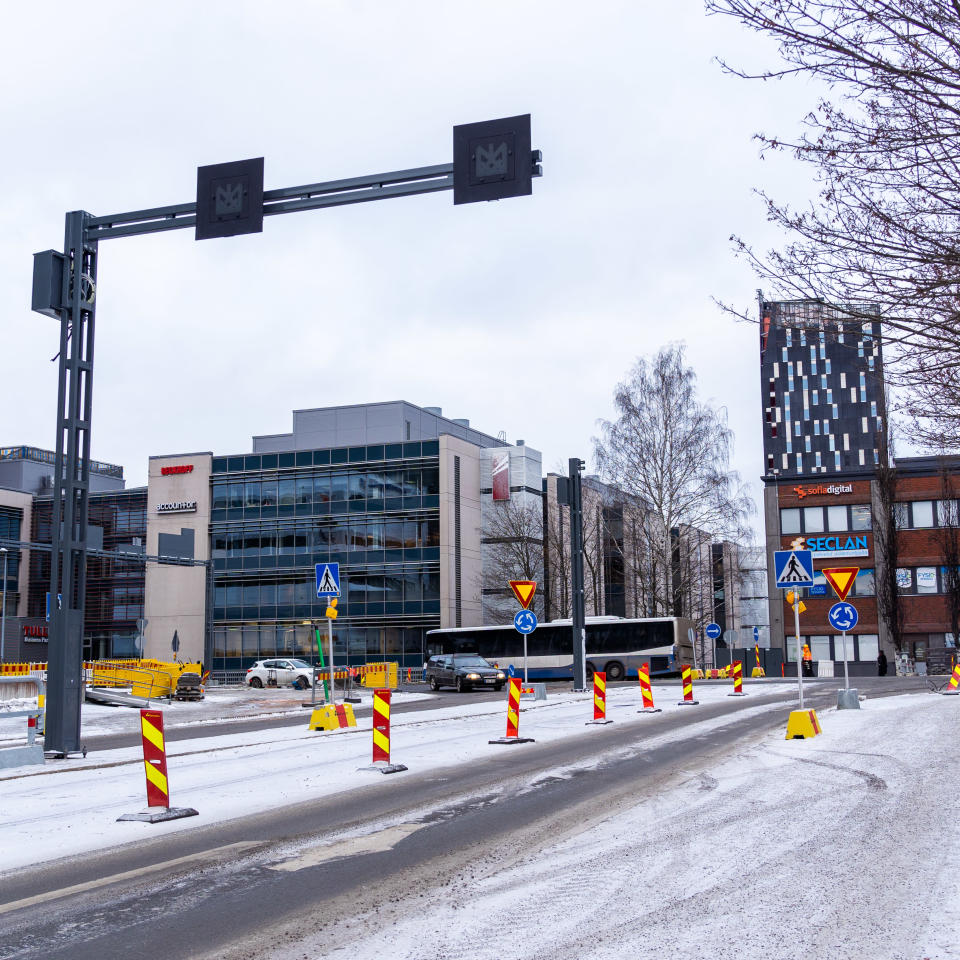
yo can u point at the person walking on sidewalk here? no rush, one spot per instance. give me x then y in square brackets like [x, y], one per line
[882, 664]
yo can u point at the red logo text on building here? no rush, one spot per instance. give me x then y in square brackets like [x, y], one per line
[181, 468]
[501, 476]
[34, 631]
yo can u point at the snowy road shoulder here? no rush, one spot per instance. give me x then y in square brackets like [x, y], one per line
[841, 846]
[72, 806]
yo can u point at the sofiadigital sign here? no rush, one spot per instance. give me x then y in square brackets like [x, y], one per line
[822, 490]
[848, 545]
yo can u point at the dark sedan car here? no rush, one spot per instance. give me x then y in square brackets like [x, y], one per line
[463, 671]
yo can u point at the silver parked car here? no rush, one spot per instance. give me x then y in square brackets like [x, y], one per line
[280, 672]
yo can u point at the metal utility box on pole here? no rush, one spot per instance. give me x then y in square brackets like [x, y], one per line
[492, 160]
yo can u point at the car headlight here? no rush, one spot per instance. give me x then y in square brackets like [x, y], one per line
[501, 676]
[473, 676]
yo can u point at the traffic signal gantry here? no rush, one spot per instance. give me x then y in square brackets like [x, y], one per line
[492, 160]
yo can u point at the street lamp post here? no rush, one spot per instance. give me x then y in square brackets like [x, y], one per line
[3, 612]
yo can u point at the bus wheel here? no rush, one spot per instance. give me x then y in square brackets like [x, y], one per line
[614, 671]
[589, 670]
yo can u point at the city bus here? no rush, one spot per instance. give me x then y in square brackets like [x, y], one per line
[615, 646]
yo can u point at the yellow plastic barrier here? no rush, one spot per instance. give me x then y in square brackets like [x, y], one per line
[332, 717]
[145, 678]
[802, 724]
[379, 675]
[21, 669]
[696, 674]
[757, 672]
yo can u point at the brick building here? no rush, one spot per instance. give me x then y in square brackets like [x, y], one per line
[836, 520]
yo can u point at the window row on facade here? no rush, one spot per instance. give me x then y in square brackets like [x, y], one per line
[328, 487]
[860, 647]
[835, 519]
[321, 458]
[295, 544]
[911, 515]
[910, 580]
[862, 333]
[365, 592]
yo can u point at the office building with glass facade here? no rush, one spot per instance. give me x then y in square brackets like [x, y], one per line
[391, 492]
[114, 597]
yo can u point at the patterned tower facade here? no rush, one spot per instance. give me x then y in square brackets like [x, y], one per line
[822, 387]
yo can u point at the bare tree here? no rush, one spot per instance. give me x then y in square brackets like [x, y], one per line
[669, 455]
[556, 544]
[948, 540]
[886, 523]
[513, 537]
[883, 148]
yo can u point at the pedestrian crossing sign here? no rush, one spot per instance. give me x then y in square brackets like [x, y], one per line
[794, 568]
[328, 579]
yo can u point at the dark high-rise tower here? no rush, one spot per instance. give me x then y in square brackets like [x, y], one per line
[821, 370]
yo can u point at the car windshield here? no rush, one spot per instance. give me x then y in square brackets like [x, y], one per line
[300, 664]
[471, 660]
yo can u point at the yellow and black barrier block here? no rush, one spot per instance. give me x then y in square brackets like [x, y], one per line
[802, 725]
[332, 717]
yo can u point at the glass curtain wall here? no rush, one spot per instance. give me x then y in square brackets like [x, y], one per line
[374, 510]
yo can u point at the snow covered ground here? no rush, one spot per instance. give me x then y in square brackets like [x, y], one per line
[843, 847]
[70, 807]
[220, 705]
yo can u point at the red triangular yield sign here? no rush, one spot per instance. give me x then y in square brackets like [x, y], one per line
[841, 579]
[523, 590]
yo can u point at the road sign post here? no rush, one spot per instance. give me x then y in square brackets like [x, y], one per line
[713, 632]
[794, 568]
[328, 585]
[843, 616]
[525, 622]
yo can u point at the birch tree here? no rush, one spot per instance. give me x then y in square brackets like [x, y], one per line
[669, 453]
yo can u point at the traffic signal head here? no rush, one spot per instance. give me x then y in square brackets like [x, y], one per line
[493, 160]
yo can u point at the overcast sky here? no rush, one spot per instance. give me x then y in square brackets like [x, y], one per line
[519, 315]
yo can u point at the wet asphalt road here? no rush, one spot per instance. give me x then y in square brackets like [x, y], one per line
[217, 890]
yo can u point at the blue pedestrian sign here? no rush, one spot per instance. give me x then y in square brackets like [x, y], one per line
[328, 580]
[843, 616]
[713, 631]
[794, 568]
[525, 621]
